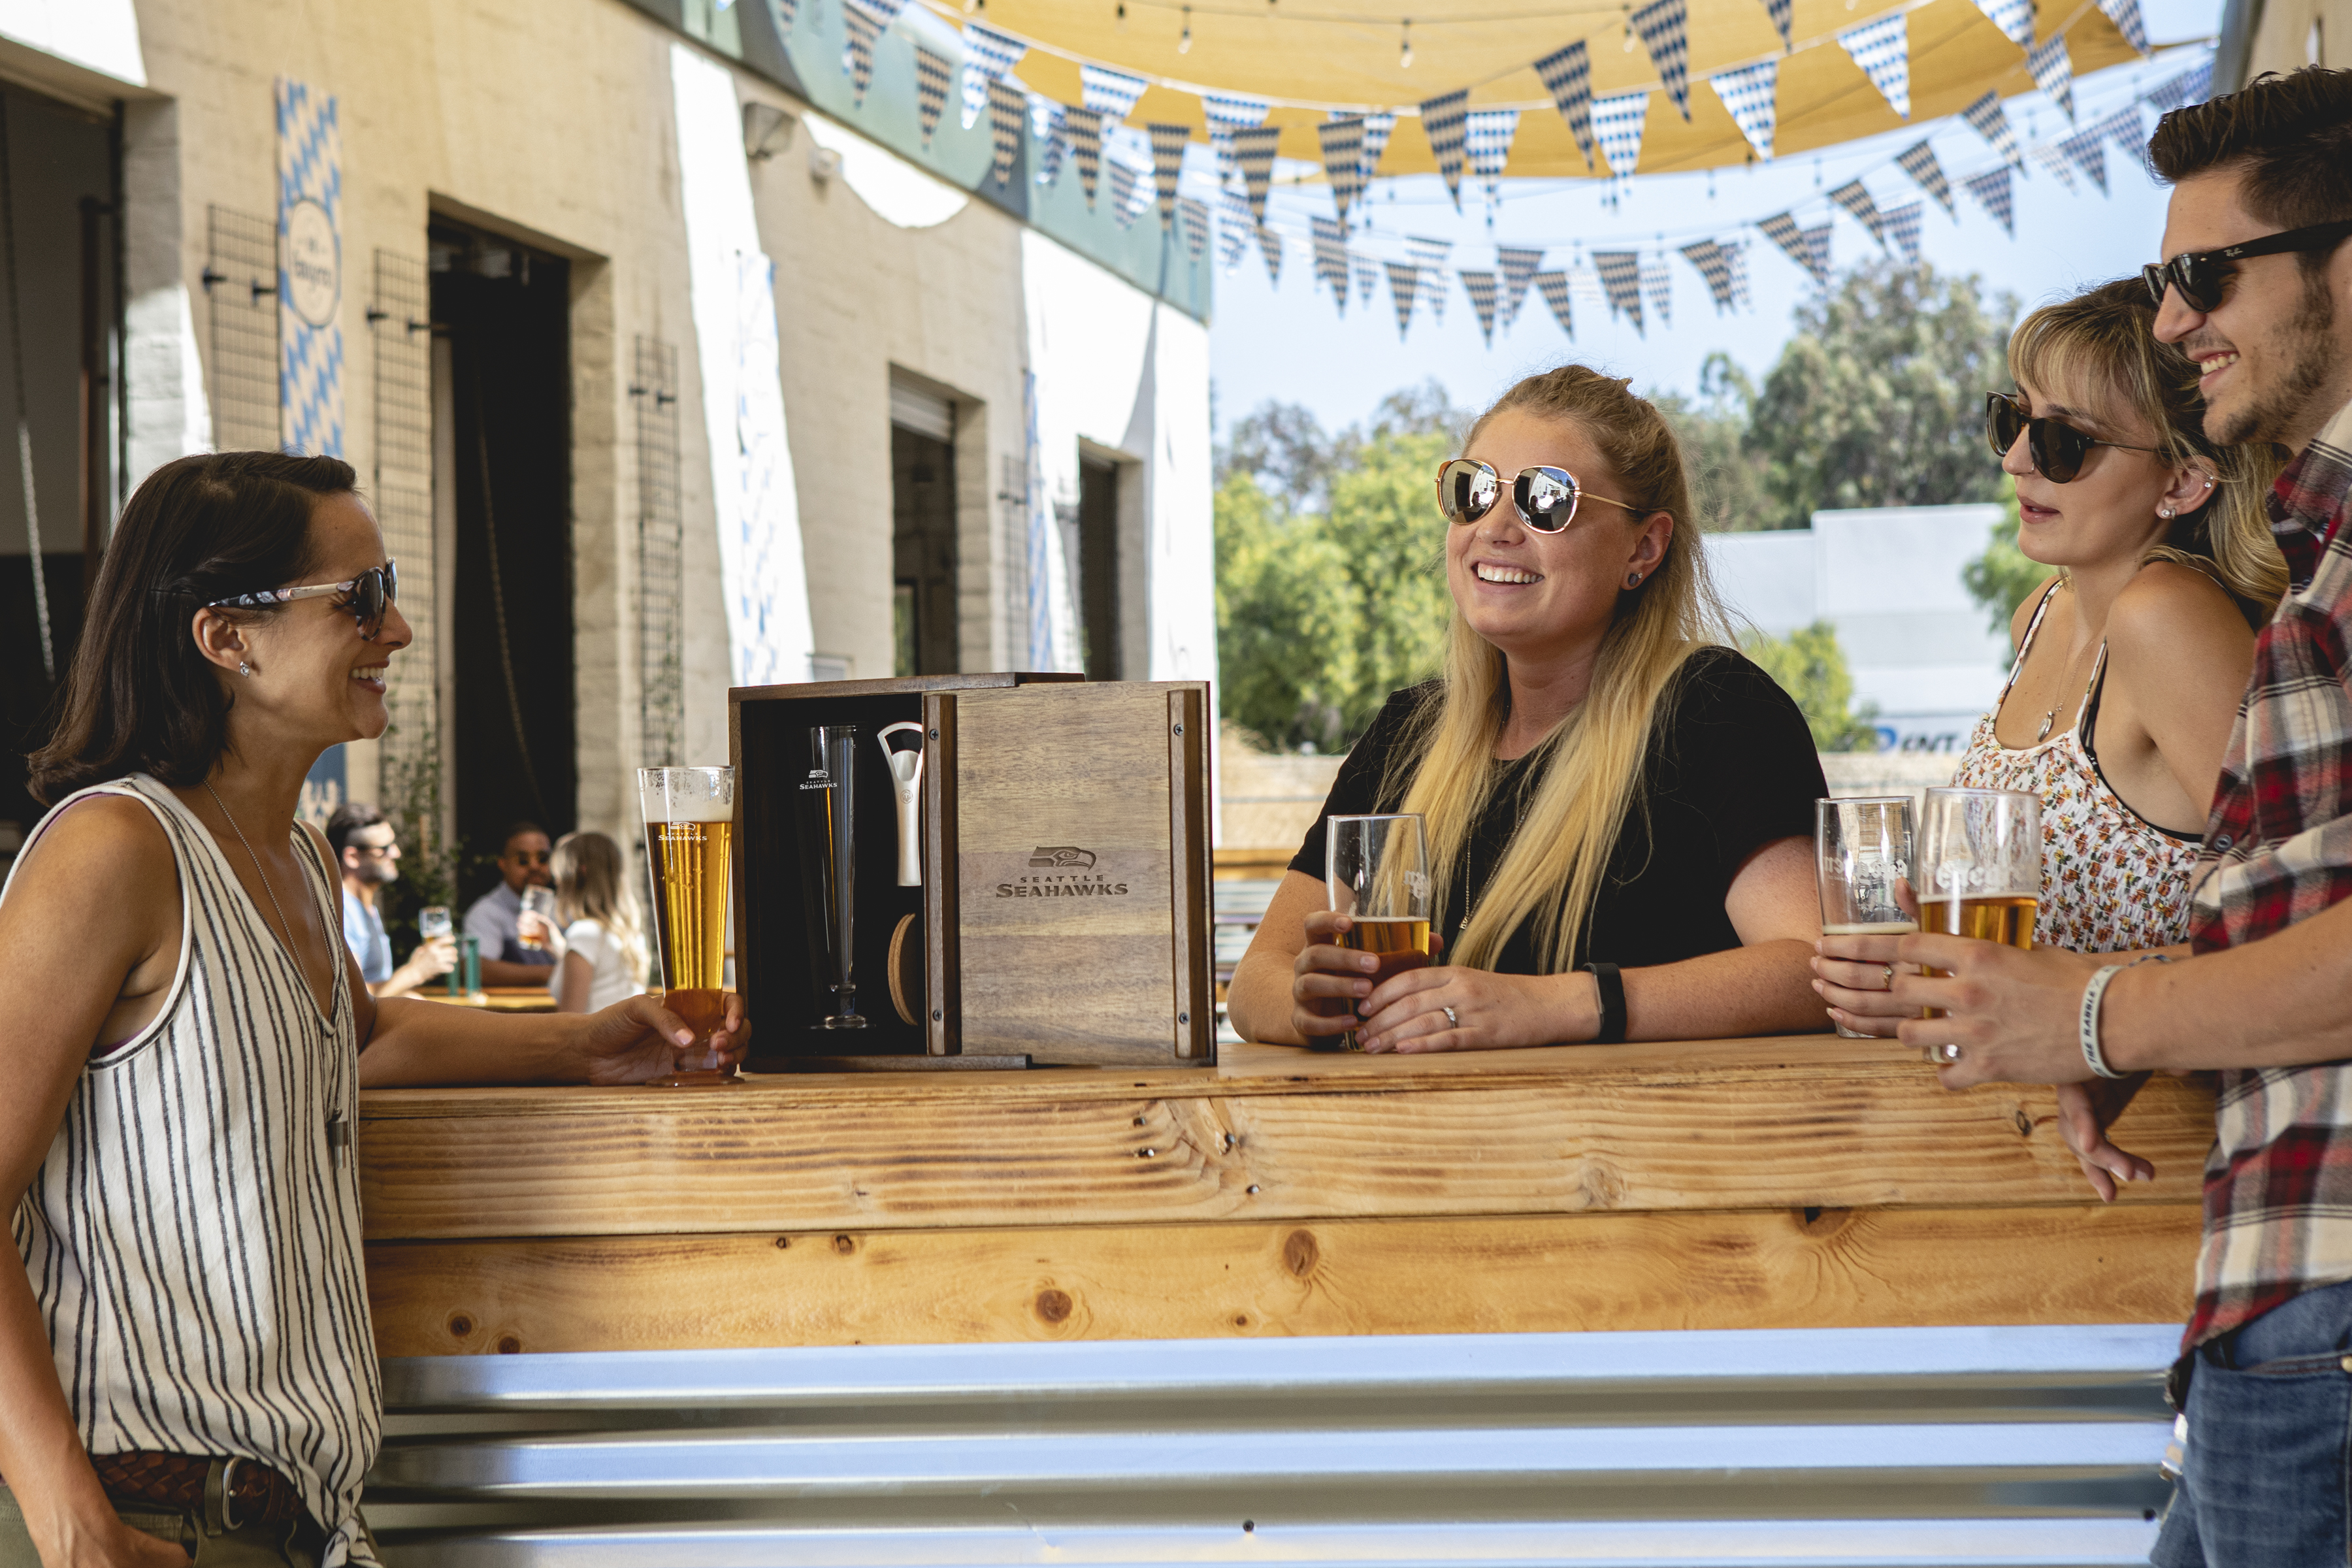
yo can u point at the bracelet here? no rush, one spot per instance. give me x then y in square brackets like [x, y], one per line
[1612, 1002]
[2093, 994]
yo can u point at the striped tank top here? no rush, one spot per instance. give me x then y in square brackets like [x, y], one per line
[193, 1236]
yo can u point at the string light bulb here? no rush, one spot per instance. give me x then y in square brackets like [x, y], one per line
[1404, 52]
[1119, 20]
[1185, 40]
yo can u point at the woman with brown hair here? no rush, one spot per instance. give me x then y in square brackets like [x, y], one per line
[186, 1355]
[1619, 806]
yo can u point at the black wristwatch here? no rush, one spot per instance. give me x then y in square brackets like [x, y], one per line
[1612, 1002]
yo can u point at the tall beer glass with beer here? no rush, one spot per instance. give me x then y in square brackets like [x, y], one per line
[689, 815]
[1379, 877]
[1980, 865]
[1863, 847]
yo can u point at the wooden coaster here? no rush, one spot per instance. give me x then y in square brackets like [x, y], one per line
[906, 969]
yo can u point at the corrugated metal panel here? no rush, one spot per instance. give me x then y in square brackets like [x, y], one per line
[2008, 1446]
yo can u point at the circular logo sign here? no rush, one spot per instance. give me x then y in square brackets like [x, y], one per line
[314, 271]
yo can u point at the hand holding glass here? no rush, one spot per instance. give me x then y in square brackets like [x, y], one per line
[433, 921]
[690, 816]
[1379, 877]
[1863, 848]
[1980, 865]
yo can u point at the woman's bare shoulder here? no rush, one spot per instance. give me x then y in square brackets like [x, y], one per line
[2022, 616]
[2170, 610]
[104, 857]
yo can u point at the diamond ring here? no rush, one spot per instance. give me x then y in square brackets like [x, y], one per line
[1450, 1017]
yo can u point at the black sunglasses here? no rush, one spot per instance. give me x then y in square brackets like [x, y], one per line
[2199, 275]
[1547, 497]
[370, 592]
[2057, 449]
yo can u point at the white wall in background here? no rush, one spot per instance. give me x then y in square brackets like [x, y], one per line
[100, 35]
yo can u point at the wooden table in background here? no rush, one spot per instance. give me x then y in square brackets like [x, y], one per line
[1796, 1182]
[494, 998]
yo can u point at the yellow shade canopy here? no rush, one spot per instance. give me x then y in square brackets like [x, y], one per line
[1310, 58]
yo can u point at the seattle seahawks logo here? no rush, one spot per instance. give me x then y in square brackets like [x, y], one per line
[1063, 857]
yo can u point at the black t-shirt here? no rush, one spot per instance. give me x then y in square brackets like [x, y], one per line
[1733, 770]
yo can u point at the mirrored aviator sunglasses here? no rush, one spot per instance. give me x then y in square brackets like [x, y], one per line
[1546, 497]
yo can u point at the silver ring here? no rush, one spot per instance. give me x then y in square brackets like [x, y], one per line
[1889, 971]
[1450, 1017]
[1949, 1052]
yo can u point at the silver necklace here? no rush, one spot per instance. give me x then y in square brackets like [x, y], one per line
[284, 924]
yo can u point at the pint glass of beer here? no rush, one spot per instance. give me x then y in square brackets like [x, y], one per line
[689, 815]
[1980, 865]
[1863, 848]
[1378, 876]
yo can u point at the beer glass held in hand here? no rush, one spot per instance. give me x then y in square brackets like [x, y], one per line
[690, 816]
[1980, 865]
[1379, 877]
[1863, 849]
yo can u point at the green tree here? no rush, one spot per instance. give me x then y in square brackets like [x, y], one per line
[1288, 620]
[1811, 667]
[2004, 576]
[1391, 538]
[409, 799]
[1876, 400]
[1726, 479]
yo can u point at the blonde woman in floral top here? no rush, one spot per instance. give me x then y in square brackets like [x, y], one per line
[2132, 657]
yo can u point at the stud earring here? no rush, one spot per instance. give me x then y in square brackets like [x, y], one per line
[1632, 579]
[243, 668]
[2164, 511]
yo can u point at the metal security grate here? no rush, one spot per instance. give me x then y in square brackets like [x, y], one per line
[400, 323]
[240, 282]
[661, 533]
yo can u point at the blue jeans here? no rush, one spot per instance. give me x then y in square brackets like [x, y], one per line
[2265, 1481]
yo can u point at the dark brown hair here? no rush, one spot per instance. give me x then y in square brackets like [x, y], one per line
[140, 697]
[351, 817]
[2291, 135]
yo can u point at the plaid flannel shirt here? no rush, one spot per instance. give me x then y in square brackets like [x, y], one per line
[2278, 1183]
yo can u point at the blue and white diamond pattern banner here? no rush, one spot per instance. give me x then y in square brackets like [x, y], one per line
[310, 270]
[1750, 95]
[1882, 50]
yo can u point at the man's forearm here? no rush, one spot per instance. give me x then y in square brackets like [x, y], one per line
[2279, 1002]
[418, 1043]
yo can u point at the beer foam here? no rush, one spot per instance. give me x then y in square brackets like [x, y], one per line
[661, 806]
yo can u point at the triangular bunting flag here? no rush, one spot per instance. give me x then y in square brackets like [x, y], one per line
[2013, 17]
[1480, 286]
[1748, 95]
[2124, 128]
[2053, 162]
[1343, 161]
[1049, 129]
[932, 73]
[1882, 50]
[1918, 161]
[1621, 275]
[1227, 113]
[1903, 228]
[987, 55]
[1254, 151]
[1233, 228]
[1617, 126]
[1376, 142]
[863, 22]
[1662, 25]
[1429, 260]
[2188, 87]
[1658, 288]
[1991, 188]
[1168, 144]
[1817, 241]
[1443, 119]
[1486, 139]
[1331, 258]
[1567, 75]
[1783, 230]
[1713, 266]
[1085, 128]
[1735, 256]
[1856, 200]
[2053, 72]
[787, 12]
[1123, 183]
[1269, 244]
[2089, 151]
[1518, 264]
[1403, 276]
[2124, 15]
[1368, 278]
[1553, 286]
[1781, 11]
[1110, 93]
[1007, 108]
[1988, 120]
[1194, 220]
[1585, 284]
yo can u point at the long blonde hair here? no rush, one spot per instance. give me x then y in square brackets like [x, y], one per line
[592, 883]
[2106, 337]
[1584, 783]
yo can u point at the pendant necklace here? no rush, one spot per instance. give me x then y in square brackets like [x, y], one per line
[284, 923]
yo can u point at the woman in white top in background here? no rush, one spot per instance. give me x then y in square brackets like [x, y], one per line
[600, 950]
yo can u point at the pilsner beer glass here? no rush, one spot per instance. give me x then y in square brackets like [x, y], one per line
[1379, 877]
[1862, 848]
[539, 901]
[690, 816]
[829, 861]
[433, 921]
[1980, 865]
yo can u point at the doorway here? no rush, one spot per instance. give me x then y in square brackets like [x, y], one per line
[504, 309]
[922, 532]
[1099, 627]
[61, 333]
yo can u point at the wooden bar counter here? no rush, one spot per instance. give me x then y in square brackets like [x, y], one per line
[1783, 1183]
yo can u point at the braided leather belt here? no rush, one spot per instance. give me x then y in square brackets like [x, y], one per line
[253, 1494]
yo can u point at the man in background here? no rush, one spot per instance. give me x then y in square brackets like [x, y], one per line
[493, 919]
[369, 856]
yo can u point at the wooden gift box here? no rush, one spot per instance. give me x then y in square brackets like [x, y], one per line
[1065, 908]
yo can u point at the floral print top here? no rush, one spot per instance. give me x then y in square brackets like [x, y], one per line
[2112, 881]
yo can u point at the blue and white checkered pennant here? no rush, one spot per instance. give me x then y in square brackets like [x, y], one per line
[1168, 144]
[1110, 93]
[1486, 138]
[1367, 277]
[786, 11]
[1008, 107]
[1254, 151]
[1750, 96]
[1713, 266]
[1085, 128]
[310, 270]
[1782, 13]
[1269, 244]
[1127, 192]
[2124, 128]
[1480, 286]
[1855, 198]
[1443, 119]
[863, 21]
[1377, 128]
[1567, 75]
[1403, 276]
[1227, 114]
[1989, 120]
[1991, 188]
[2053, 163]
[2013, 17]
[2089, 153]
[2124, 15]
[1663, 28]
[1883, 50]
[1429, 260]
[932, 73]
[987, 55]
[1342, 143]
[1048, 127]
[1918, 161]
[1817, 242]
[1331, 258]
[2053, 72]
[1553, 287]
[1518, 265]
[1234, 226]
[1621, 275]
[1193, 218]
[1658, 289]
[1783, 230]
[1903, 228]
[2176, 92]
[1617, 126]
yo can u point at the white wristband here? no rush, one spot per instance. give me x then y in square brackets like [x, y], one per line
[2093, 994]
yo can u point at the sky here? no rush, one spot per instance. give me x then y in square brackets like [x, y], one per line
[1290, 345]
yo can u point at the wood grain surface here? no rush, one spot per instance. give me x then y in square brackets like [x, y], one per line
[1698, 1270]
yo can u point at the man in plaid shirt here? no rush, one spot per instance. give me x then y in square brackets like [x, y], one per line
[2257, 288]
